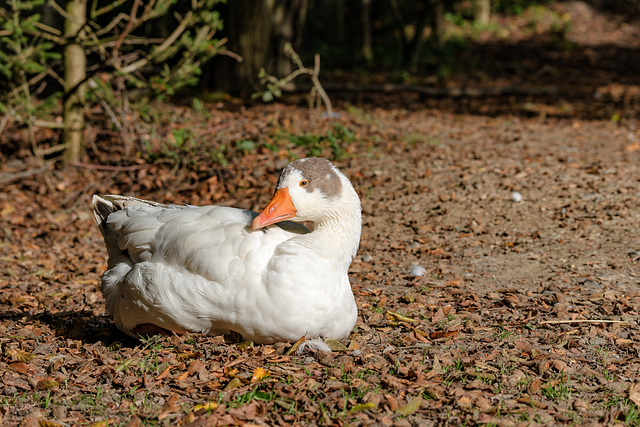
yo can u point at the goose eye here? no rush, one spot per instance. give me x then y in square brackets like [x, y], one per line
[304, 183]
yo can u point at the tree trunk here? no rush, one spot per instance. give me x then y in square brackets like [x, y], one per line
[437, 21]
[257, 31]
[482, 11]
[367, 50]
[75, 70]
[412, 55]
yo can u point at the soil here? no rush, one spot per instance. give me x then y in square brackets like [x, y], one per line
[497, 279]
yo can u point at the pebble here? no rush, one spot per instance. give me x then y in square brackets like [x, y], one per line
[367, 258]
[516, 197]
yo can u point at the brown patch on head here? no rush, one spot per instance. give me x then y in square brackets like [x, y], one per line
[320, 173]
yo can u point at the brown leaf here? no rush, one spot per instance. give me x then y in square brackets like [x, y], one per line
[443, 334]
[419, 335]
[581, 406]
[134, 422]
[46, 423]
[544, 366]
[194, 367]
[164, 373]
[484, 405]
[15, 354]
[530, 401]
[171, 406]
[437, 367]
[393, 404]
[183, 376]
[19, 367]
[464, 402]
[634, 394]
[295, 346]
[534, 386]
[438, 316]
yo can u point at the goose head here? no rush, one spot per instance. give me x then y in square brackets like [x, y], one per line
[313, 189]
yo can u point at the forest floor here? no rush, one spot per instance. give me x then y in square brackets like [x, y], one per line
[522, 211]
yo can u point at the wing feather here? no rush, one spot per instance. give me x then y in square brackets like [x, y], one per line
[211, 241]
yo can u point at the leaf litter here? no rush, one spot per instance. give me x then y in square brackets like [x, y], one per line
[526, 313]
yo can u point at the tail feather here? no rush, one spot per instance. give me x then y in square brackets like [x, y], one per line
[106, 205]
[102, 208]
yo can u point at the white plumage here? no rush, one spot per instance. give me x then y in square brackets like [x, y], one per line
[216, 270]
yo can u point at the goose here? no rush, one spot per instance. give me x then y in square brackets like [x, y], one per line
[233, 272]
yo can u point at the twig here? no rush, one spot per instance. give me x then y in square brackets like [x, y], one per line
[6, 178]
[286, 83]
[109, 167]
[453, 92]
[59, 9]
[128, 28]
[161, 48]
[4, 121]
[96, 13]
[558, 322]
[319, 88]
[51, 150]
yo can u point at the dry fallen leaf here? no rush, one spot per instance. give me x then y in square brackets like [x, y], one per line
[258, 374]
[209, 406]
[295, 346]
[45, 423]
[234, 383]
[363, 407]
[443, 334]
[103, 423]
[15, 354]
[634, 394]
[336, 345]
[393, 318]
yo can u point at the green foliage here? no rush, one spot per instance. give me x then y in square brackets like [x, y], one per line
[317, 145]
[245, 145]
[516, 7]
[629, 410]
[556, 391]
[30, 56]
[254, 394]
[23, 59]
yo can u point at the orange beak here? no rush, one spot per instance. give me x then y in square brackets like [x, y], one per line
[279, 208]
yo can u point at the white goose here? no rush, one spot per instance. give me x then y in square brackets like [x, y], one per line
[217, 270]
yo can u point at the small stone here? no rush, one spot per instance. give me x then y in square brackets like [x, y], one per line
[516, 197]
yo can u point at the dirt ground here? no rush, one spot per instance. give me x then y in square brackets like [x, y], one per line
[520, 212]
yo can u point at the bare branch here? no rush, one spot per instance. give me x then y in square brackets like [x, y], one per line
[59, 9]
[109, 167]
[105, 9]
[4, 121]
[155, 52]
[319, 88]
